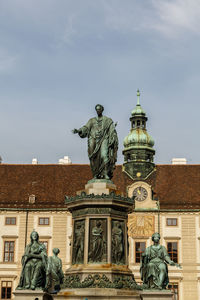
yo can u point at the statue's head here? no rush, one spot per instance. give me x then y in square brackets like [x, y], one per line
[99, 109]
[56, 251]
[117, 224]
[34, 236]
[79, 226]
[156, 237]
[98, 223]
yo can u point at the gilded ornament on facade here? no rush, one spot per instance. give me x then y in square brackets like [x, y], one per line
[141, 226]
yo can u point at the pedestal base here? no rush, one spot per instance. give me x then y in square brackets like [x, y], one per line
[97, 294]
[156, 295]
[32, 295]
[112, 294]
[100, 187]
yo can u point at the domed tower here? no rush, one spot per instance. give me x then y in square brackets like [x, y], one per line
[138, 146]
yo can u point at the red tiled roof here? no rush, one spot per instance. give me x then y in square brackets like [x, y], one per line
[176, 186]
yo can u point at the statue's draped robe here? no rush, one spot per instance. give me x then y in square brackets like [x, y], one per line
[152, 258]
[97, 244]
[78, 250]
[117, 244]
[102, 145]
[34, 267]
[54, 273]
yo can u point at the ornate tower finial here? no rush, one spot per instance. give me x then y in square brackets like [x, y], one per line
[138, 97]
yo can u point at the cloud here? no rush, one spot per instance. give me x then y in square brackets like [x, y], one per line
[169, 17]
[177, 16]
[69, 30]
[69, 20]
[7, 62]
[125, 16]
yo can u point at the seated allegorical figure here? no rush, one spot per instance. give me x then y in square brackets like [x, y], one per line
[34, 264]
[154, 270]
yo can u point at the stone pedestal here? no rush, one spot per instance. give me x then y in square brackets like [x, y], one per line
[31, 295]
[155, 295]
[100, 187]
[99, 239]
[94, 294]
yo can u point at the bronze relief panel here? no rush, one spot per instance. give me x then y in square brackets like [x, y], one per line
[118, 242]
[97, 241]
[78, 242]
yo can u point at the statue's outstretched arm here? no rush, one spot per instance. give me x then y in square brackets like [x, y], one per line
[169, 261]
[172, 263]
[79, 131]
[82, 132]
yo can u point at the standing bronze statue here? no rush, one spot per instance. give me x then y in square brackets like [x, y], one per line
[34, 264]
[154, 270]
[102, 144]
[54, 274]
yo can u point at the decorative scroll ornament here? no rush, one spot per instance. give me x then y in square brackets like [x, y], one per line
[101, 281]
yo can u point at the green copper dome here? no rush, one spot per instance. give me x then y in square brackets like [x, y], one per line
[138, 137]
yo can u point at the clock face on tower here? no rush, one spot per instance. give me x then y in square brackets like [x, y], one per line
[140, 193]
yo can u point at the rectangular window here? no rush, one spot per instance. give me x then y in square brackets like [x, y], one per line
[139, 249]
[9, 247]
[172, 248]
[174, 288]
[45, 244]
[6, 289]
[43, 221]
[10, 221]
[171, 221]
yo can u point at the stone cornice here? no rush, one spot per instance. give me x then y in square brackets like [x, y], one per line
[172, 238]
[7, 236]
[111, 196]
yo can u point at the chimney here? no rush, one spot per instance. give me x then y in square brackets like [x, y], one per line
[65, 161]
[31, 199]
[34, 161]
[179, 161]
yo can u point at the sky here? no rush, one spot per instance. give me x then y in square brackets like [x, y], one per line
[59, 58]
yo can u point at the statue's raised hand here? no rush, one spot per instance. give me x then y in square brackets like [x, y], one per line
[74, 131]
